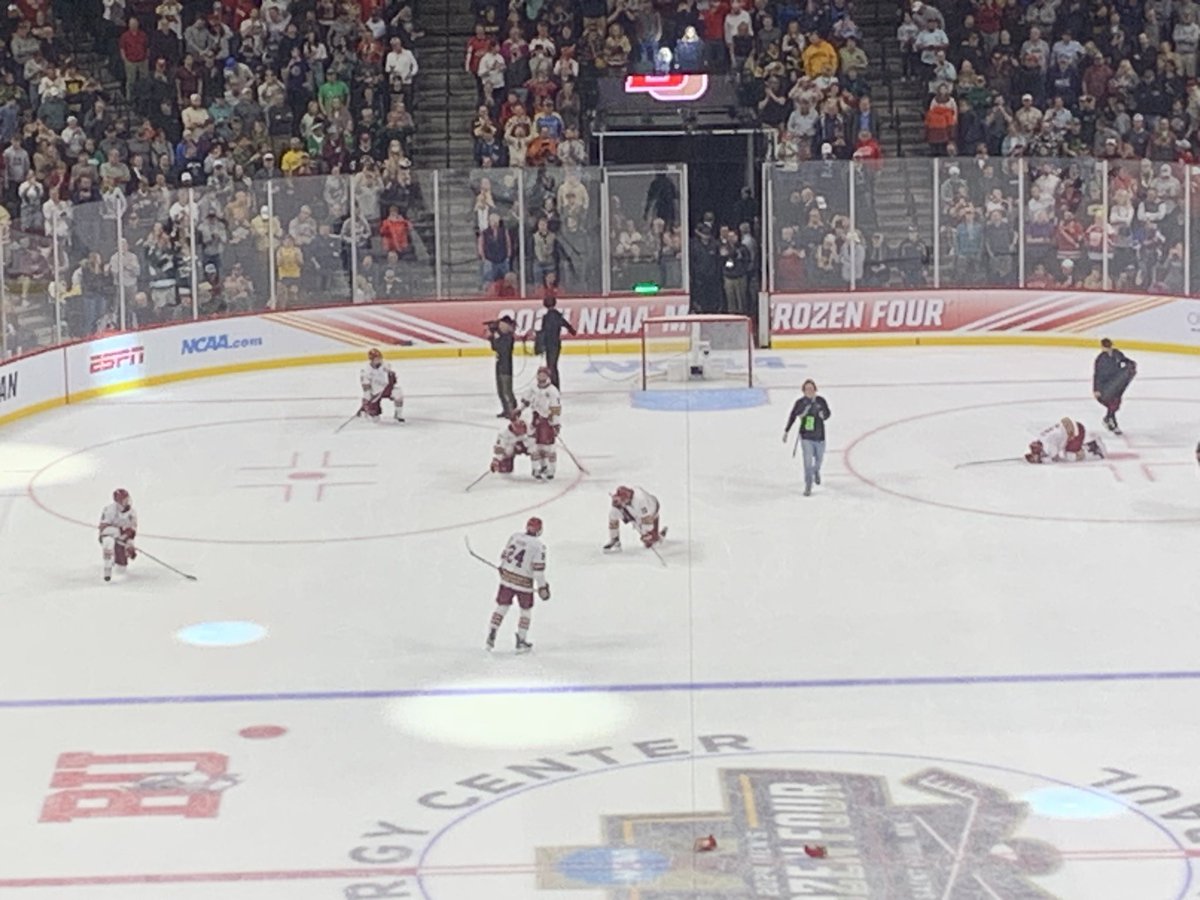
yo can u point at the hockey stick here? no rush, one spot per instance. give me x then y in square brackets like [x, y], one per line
[988, 462]
[574, 458]
[486, 562]
[375, 399]
[479, 479]
[154, 558]
[654, 550]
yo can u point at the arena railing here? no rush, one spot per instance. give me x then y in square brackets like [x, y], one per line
[387, 233]
[983, 222]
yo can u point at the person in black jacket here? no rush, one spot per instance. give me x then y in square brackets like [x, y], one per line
[549, 339]
[812, 411]
[1111, 374]
[500, 335]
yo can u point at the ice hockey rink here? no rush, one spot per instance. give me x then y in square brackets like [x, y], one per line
[955, 681]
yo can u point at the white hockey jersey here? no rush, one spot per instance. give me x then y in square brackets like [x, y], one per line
[114, 520]
[1060, 445]
[377, 381]
[642, 511]
[509, 444]
[523, 562]
[546, 402]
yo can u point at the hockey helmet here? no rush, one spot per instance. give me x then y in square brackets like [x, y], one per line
[533, 526]
[374, 357]
[517, 425]
[121, 497]
[622, 495]
[543, 375]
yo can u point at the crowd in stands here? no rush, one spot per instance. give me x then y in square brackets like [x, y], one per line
[1063, 131]
[214, 104]
[1066, 85]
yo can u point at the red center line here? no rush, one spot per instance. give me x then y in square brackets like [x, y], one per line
[476, 869]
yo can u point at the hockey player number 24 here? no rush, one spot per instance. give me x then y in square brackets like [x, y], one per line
[514, 555]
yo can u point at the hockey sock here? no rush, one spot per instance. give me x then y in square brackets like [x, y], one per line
[523, 623]
[498, 616]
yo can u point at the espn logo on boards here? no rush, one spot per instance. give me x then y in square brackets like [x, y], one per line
[668, 88]
[116, 359]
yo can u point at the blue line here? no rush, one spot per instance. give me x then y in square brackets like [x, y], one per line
[647, 688]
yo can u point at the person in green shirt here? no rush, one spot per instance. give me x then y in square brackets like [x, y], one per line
[331, 90]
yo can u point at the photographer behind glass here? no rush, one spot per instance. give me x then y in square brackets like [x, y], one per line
[499, 333]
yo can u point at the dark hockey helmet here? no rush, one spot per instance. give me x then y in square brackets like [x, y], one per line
[533, 526]
[374, 357]
[543, 375]
[121, 496]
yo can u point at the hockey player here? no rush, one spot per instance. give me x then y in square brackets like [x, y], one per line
[638, 508]
[378, 384]
[1064, 441]
[510, 442]
[1111, 374]
[522, 568]
[546, 403]
[118, 528]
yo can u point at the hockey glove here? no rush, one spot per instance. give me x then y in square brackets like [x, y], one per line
[544, 592]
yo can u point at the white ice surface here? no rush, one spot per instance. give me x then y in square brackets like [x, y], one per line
[802, 623]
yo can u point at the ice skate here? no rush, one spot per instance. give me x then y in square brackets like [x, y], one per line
[808, 490]
[491, 639]
[613, 546]
[523, 646]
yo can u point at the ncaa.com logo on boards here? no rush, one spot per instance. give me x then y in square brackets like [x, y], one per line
[125, 357]
[216, 342]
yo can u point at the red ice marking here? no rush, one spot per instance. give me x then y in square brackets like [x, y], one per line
[306, 476]
[262, 732]
[94, 786]
[31, 490]
[465, 869]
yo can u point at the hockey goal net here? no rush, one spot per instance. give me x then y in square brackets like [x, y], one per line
[697, 351]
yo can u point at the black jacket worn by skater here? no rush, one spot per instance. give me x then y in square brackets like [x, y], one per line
[553, 323]
[502, 345]
[812, 415]
[1112, 372]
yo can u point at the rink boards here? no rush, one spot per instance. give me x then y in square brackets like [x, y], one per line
[162, 354]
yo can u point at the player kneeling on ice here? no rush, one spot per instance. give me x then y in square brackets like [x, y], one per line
[118, 528]
[379, 384]
[510, 442]
[546, 403]
[1064, 441]
[522, 567]
[637, 508]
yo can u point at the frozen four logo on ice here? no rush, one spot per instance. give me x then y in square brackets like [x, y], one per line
[116, 359]
[216, 342]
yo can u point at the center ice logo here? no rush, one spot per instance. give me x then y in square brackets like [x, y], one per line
[960, 845]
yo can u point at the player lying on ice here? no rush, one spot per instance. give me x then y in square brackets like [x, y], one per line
[379, 383]
[118, 528]
[512, 441]
[1064, 441]
[638, 508]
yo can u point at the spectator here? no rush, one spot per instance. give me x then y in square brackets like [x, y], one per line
[941, 120]
[394, 231]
